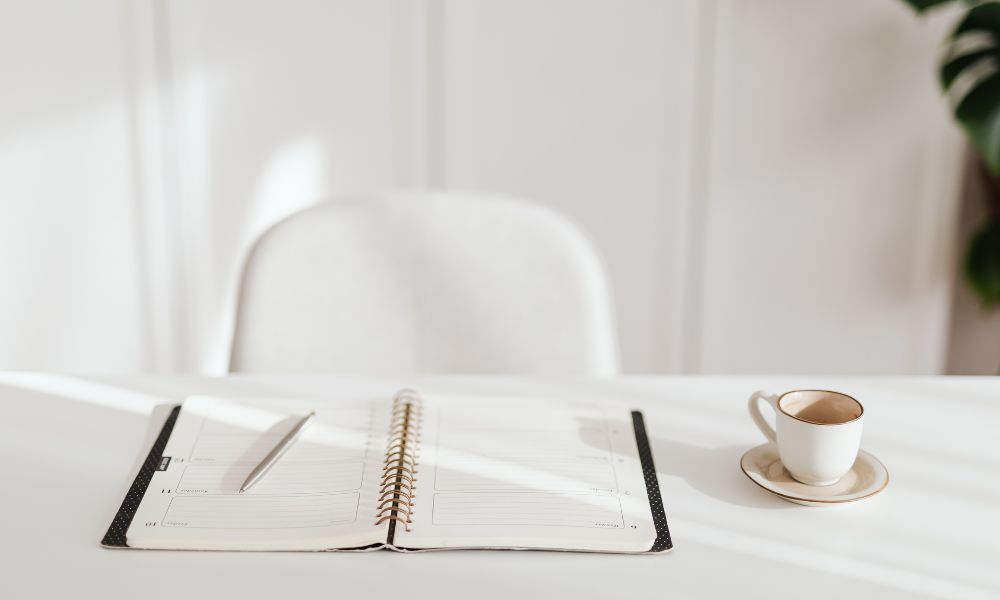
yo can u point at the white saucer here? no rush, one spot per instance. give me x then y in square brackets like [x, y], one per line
[866, 478]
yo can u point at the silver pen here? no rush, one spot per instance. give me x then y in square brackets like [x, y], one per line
[275, 453]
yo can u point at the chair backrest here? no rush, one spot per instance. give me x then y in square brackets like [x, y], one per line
[424, 282]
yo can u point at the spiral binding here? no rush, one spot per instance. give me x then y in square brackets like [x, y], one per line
[399, 475]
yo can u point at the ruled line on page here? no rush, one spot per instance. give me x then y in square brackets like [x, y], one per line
[285, 478]
[528, 508]
[261, 512]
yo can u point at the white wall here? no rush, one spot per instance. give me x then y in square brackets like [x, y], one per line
[70, 284]
[772, 183]
[831, 192]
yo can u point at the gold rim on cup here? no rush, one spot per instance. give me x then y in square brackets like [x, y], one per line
[861, 407]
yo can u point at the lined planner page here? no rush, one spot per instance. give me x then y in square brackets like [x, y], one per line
[319, 495]
[538, 473]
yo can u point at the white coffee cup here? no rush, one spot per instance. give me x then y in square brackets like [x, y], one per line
[818, 432]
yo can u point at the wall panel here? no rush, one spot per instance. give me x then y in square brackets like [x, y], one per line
[71, 293]
[831, 192]
[585, 107]
[278, 105]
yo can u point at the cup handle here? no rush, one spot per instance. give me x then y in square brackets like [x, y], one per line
[758, 418]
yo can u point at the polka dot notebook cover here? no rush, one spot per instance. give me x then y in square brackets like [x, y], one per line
[415, 473]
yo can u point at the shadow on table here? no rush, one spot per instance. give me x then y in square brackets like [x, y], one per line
[712, 471]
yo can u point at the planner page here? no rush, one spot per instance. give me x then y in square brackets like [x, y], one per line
[319, 495]
[538, 473]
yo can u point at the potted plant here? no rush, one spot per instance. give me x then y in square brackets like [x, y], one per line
[970, 76]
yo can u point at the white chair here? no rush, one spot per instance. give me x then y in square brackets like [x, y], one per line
[424, 282]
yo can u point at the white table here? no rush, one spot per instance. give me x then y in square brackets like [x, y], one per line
[69, 445]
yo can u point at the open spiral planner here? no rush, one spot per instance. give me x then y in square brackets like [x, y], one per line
[410, 473]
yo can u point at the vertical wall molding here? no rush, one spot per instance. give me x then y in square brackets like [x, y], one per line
[154, 178]
[436, 30]
[187, 90]
[937, 236]
[682, 254]
[410, 102]
[935, 253]
[419, 78]
[973, 345]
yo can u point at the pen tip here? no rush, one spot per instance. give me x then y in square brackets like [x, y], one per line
[242, 490]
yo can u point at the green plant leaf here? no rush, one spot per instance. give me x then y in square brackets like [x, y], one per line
[922, 5]
[978, 67]
[952, 68]
[983, 17]
[982, 263]
[970, 74]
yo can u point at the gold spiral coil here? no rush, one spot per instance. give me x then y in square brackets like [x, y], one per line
[399, 473]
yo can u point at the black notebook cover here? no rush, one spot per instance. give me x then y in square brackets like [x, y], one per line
[662, 542]
[115, 537]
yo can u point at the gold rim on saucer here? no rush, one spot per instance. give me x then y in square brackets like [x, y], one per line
[867, 477]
